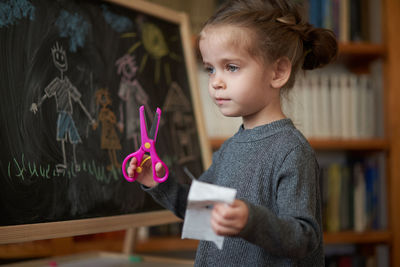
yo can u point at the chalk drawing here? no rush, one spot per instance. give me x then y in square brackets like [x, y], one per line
[13, 10]
[156, 47]
[108, 121]
[179, 111]
[117, 22]
[74, 27]
[133, 96]
[64, 93]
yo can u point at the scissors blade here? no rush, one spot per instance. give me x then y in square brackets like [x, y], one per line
[153, 128]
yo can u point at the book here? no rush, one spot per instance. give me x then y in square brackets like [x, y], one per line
[324, 110]
[365, 20]
[355, 20]
[363, 111]
[333, 206]
[336, 17]
[377, 86]
[316, 107]
[354, 107]
[344, 21]
[371, 185]
[335, 108]
[346, 198]
[360, 218]
[375, 21]
[315, 14]
[345, 103]
[382, 255]
[304, 84]
[382, 192]
[371, 117]
[326, 11]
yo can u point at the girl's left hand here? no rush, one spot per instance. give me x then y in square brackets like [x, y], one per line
[229, 220]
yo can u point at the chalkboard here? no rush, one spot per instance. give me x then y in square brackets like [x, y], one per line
[73, 75]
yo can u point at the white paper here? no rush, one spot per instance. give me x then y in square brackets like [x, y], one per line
[202, 197]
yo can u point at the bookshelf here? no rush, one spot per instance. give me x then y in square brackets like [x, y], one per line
[362, 49]
[367, 237]
[392, 127]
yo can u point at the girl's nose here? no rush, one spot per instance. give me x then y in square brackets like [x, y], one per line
[218, 83]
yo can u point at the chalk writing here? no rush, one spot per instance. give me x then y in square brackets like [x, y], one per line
[17, 168]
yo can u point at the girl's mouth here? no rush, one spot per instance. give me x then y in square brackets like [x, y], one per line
[221, 101]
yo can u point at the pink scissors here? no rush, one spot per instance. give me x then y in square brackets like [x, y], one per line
[147, 146]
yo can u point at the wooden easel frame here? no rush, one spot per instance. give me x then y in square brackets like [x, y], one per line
[30, 232]
[38, 231]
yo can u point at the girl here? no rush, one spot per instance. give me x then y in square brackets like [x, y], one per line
[252, 50]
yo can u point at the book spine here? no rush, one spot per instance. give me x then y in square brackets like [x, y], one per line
[335, 110]
[325, 108]
[315, 108]
[333, 207]
[345, 106]
[344, 19]
[360, 218]
[354, 107]
[355, 20]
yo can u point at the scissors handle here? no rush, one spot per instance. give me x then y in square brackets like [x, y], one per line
[139, 156]
[154, 160]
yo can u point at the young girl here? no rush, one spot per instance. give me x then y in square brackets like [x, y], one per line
[252, 50]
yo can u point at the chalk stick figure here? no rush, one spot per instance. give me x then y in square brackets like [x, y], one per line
[133, 96]
[64, 93]
[108, 122]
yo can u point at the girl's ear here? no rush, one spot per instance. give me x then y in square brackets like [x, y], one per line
[282, 70]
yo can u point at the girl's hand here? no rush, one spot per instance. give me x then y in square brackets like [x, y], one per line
[146, 176]
[229, 220]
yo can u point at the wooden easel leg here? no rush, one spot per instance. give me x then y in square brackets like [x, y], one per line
[130, 241]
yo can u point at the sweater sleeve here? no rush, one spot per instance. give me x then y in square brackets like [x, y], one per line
[173, 195]
[294, 229]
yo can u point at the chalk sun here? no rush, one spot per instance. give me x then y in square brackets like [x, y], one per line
[156, 47]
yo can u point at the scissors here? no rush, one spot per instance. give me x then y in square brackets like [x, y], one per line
[147, 146]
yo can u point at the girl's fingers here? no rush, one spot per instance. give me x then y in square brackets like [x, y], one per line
[133, 161]
[223, 218]
[224, 211]
[232, 216]
[160, 171]
[223, 230]
[132, 167]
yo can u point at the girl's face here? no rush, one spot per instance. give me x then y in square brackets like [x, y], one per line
[239, 84]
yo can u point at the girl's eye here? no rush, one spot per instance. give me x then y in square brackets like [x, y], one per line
[232, 68]
[210, 70]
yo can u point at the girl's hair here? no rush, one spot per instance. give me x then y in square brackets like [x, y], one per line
[280, 30]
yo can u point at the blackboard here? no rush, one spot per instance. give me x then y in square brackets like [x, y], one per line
[73, 75]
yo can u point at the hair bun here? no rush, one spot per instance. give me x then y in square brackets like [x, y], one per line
[320, 48]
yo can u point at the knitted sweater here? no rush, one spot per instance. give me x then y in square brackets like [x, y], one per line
[275, 172]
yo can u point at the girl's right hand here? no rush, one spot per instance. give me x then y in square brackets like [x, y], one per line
[146, 176]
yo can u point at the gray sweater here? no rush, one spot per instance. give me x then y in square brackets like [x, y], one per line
[275, 172]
